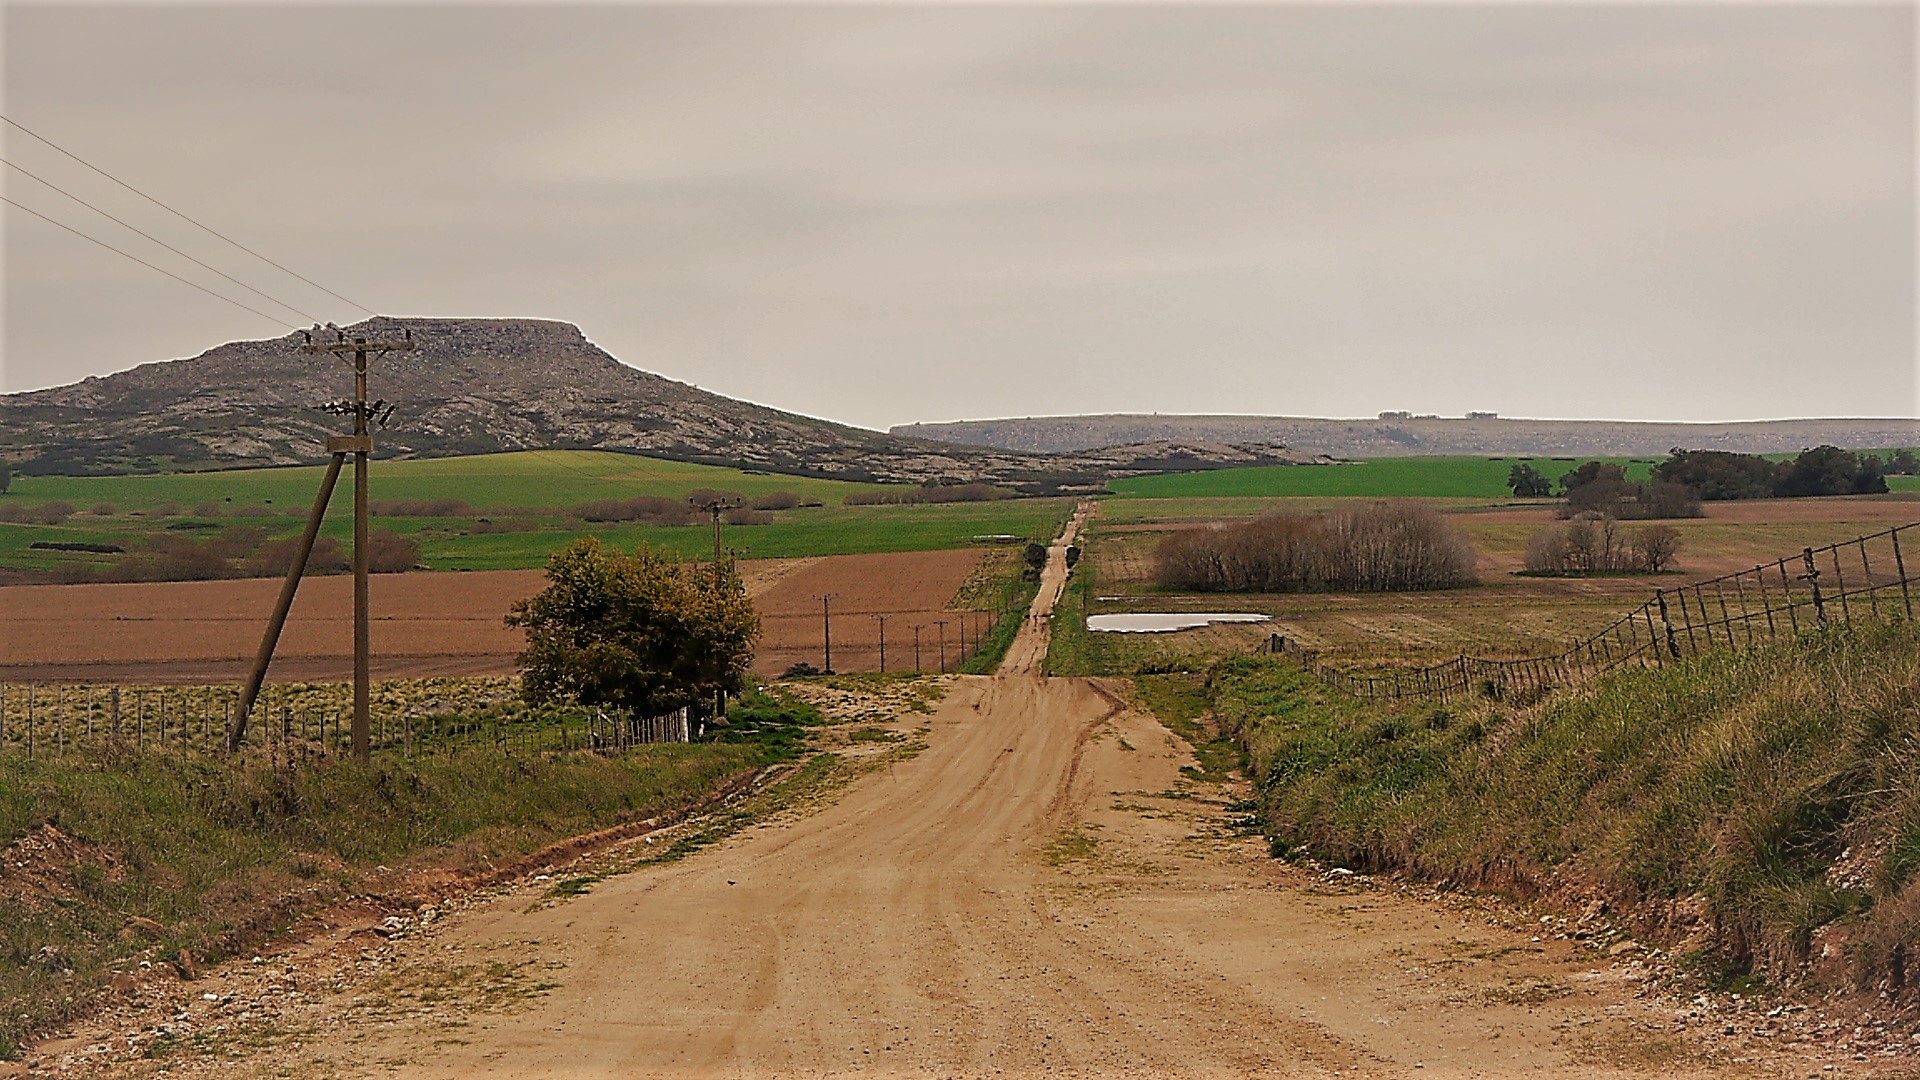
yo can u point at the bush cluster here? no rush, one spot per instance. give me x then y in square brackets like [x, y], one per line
[929, 493]
[1596, 544]
[1385, 547]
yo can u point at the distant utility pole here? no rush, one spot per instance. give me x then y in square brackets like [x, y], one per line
[826, 635]
[360, 445]
[916, 647]
[883, 642]
[942, 624]
[713, 508]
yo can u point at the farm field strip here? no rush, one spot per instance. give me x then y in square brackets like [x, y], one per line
[430, 624]
[551, 479]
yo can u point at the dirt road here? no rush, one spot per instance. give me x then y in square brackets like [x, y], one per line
[1039, 892]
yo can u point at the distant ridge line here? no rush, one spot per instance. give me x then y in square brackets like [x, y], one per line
[1395, 437]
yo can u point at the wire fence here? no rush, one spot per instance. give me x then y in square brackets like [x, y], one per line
[1867, 578]
[98, 721]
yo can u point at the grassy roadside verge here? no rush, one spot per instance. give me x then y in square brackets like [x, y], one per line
[1759, 812]
[112, 865]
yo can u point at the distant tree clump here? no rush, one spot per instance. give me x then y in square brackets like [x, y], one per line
[653, 509]
[929, 493]
[776, 500]
[438, 508]
[634, 632]
[1717, 475]
[6, 475]
[1593, 543]
[1385, 547]
[1598, 487]
[1899, 463]
[1528, 482]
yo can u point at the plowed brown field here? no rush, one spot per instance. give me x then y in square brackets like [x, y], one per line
[427, 623]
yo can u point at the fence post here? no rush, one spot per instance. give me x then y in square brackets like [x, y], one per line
[1866, 570]
[1786, 586]
[31, 688]
[1900, 565]
[1766, 603]
[1813, 582]
[1666, 620]
[1840, 583]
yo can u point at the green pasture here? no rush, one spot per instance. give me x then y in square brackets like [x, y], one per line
[1375, 478]
[542, 479]
[453, 543]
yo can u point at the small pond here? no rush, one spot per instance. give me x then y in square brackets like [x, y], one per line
[1160, 622]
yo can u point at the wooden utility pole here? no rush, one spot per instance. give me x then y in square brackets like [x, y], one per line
[713, 507]
[916, 647]
[942, 624]
[883, 643]
[826, 632]
[360, 445]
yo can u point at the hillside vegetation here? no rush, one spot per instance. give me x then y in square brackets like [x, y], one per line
[135, 857]
[1759, 812]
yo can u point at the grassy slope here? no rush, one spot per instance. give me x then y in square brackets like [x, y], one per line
[221, 852]
[1728, 785]
[535, 478]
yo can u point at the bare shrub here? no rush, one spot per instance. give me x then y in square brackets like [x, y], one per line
[930, 493]
[1657, 545]
[439, 508]
[390, 553]
[777, 500]
[165, 510]
[748, 517]
[653, 509]
[104, 510]
[1385, 547]
[1596, 544]
[206, 508]
[275, 558]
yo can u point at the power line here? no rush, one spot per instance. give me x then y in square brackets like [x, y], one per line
[353, 303]
[274, 319]
[271, 299]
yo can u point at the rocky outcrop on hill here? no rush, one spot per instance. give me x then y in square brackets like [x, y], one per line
[1418, 435]
[484, 385]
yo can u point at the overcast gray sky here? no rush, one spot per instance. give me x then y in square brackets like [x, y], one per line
[889, 214]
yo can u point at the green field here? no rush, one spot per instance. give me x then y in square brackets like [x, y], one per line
[519, 512]
[1377, 478]
[546, 479]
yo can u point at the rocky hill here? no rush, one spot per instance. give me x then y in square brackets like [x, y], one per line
[1418, 435]
[485, 385]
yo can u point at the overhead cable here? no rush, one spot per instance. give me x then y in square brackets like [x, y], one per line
[356, 305]
[134, 228]
[274, 319]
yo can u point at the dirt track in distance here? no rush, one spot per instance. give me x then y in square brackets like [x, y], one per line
[1039, 892]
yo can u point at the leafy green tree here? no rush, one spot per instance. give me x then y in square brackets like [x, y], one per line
[1528, 482]
[1719, 474]
[634, 632]
[1899, 463]
[1036, 555]
[1829, 470]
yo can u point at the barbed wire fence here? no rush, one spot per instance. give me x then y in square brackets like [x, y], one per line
[105, 720]
[1820, 587]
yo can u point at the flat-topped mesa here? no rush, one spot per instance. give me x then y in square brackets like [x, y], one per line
[484, 385]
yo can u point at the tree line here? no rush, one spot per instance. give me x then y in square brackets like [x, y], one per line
[1383, 547]
[1678, 485]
